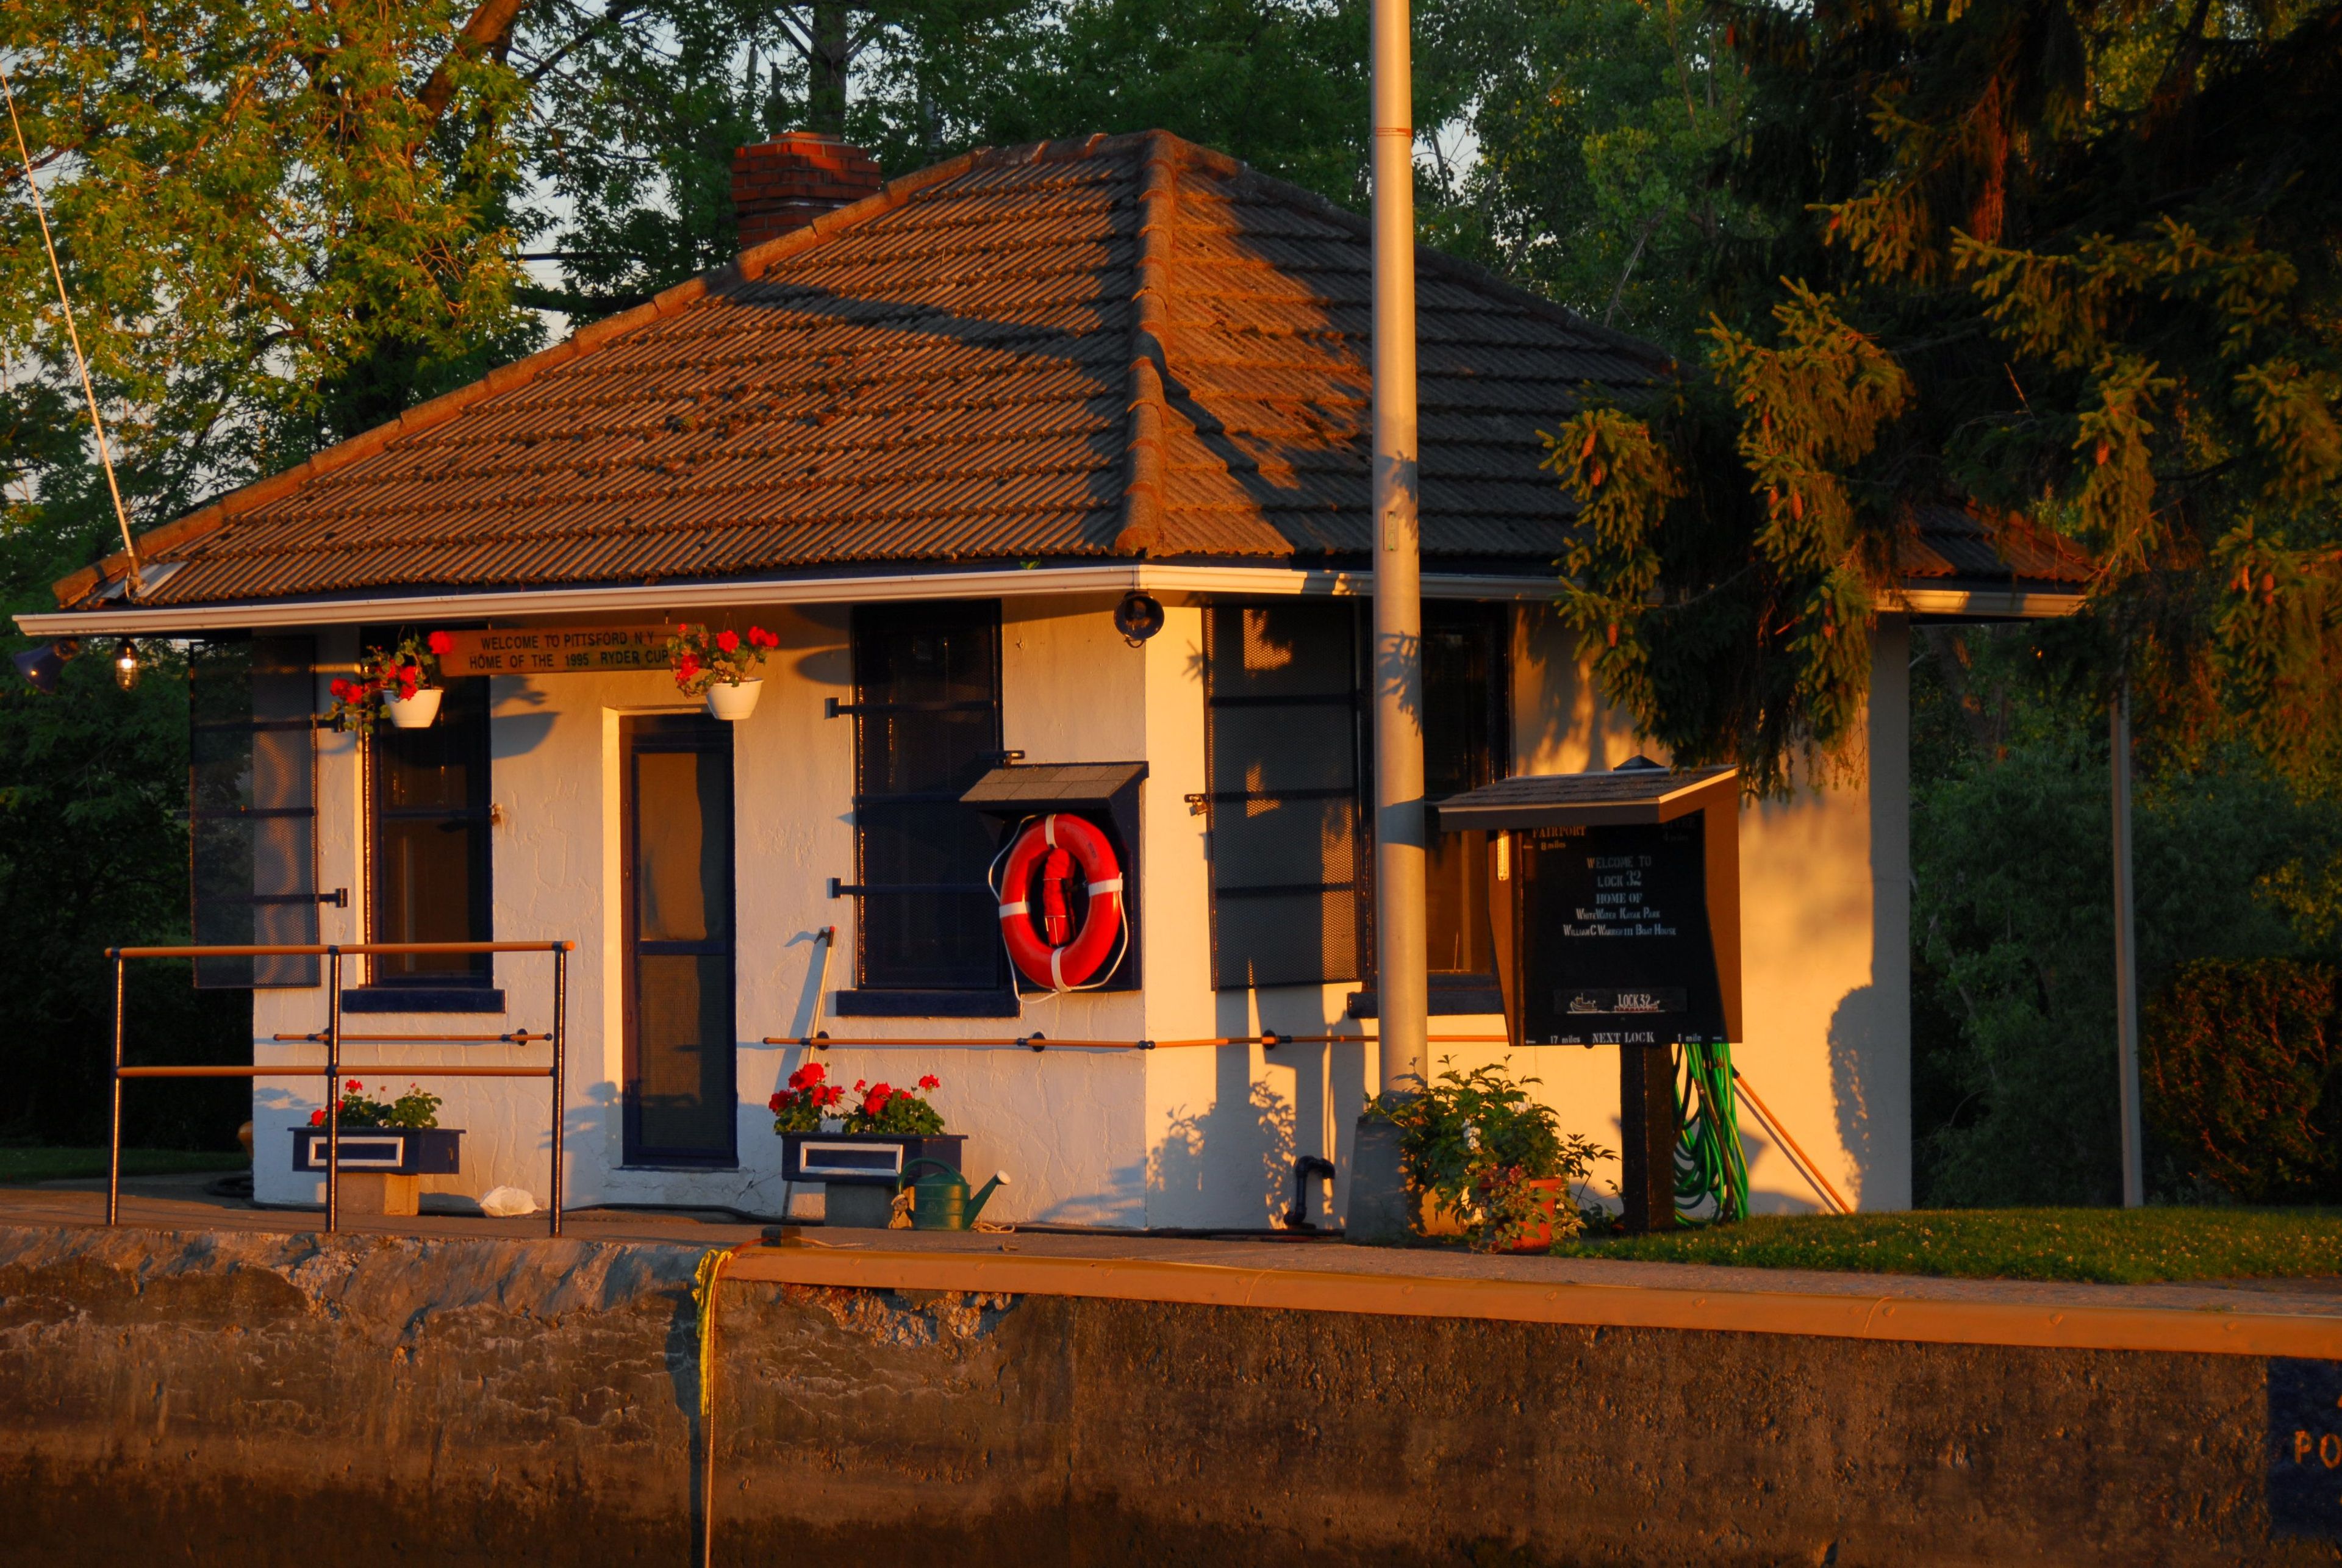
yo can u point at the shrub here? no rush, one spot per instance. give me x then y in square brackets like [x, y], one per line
[2238, 1063]
[1474, 1140]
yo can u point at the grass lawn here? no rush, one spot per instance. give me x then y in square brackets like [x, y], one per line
[22, 1165]
[2136, 1246]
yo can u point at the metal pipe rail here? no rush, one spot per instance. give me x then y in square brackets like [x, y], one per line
[333, 1039]
[1038, 1041]
[517, 1037]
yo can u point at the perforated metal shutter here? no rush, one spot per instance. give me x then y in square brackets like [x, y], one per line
[1291, 863]
[251, 807]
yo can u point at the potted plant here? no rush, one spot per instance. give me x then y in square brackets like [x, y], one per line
[716, 665]
[1476, 1144]
[400, 682]
[857, 1138]
[388, 1146]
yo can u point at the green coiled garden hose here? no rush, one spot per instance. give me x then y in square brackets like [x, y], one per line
[1711, 1172]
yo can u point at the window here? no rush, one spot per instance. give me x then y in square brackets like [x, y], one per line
[1290, 877]
[427, 845]
[1467, 742]
[926, 726]
[252, 806]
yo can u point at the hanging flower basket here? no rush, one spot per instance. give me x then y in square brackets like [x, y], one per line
[716, 665]
[398, 681]
[415, 711]
[733, 702]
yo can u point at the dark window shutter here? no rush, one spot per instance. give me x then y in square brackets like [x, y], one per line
[926, 724]
[1291, 858]
[251, 807]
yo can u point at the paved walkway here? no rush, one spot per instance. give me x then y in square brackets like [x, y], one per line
[184, 1203]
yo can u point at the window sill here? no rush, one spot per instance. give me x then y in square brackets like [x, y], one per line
[1445, 1001]
[869, 1003]
[424, 999]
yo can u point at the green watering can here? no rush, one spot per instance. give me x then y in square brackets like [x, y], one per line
[941, 1202]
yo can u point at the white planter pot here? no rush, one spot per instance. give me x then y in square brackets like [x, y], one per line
[414, 712]
[732, 703]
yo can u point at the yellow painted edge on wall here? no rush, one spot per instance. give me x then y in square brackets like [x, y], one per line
[2042, 1325]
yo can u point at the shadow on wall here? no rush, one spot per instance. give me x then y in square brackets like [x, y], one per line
[1203, 1154]
[1561, 722]
[519, 720]
[1861, 1020]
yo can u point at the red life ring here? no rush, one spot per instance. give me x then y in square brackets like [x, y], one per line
[1054, 954]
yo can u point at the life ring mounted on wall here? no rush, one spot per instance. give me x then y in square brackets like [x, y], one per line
[1036, 920]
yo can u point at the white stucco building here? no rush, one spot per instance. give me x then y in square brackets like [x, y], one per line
[931, 440]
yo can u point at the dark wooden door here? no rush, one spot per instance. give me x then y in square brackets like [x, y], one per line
[681, 1096]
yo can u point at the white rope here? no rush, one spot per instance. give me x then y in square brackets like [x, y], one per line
[73, 335]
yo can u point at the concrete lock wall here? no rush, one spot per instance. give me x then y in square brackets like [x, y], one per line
[1169, 1138]
[298, 1399]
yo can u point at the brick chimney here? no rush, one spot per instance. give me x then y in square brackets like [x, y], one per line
[787, 182]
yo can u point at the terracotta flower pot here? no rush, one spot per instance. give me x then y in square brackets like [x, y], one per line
[732, 703]
[1538, 1235]
[414, 712]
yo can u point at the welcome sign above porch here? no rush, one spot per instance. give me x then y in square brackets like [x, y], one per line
[555, 651]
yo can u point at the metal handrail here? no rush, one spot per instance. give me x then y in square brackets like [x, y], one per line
[331, 1038]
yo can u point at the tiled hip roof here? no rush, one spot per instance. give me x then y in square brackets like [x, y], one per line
[1124, 346]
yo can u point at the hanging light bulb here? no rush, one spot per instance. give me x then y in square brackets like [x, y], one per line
[125, 664]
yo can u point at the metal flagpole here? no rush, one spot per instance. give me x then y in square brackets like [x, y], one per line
[2134, 1182]
[1399, 939]
[1378, 1203]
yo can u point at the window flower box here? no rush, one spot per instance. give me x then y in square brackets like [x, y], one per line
[383, 1151]
[863, 1158]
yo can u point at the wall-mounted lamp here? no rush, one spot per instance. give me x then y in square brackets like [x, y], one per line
[1138, 617]
[44, 667]
[127, 668]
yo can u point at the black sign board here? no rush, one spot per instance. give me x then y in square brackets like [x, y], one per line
[2305, 1448]
[1617, 949]
[1615, 902]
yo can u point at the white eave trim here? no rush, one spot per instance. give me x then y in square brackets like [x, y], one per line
[1001, 583]
[1988, 604]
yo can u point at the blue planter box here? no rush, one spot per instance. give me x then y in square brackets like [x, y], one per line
[384, 1151]
[863, 1159]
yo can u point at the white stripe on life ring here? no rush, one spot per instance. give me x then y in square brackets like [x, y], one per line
[1107, 885]
[1049, 830]
[1056, 969]
[1009, 910]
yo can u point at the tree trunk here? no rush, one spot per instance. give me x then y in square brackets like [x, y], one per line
[825, 94]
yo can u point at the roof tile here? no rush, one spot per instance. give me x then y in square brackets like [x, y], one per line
[945, 372]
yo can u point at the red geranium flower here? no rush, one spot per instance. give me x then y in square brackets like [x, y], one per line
[686, 666]
[354, 1085]
[776, 1103]
[931, 1081]
[829, 1095]
[728, 640]
[442, 645]
[879, 1094]
[760, 638]
[317, 1117]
